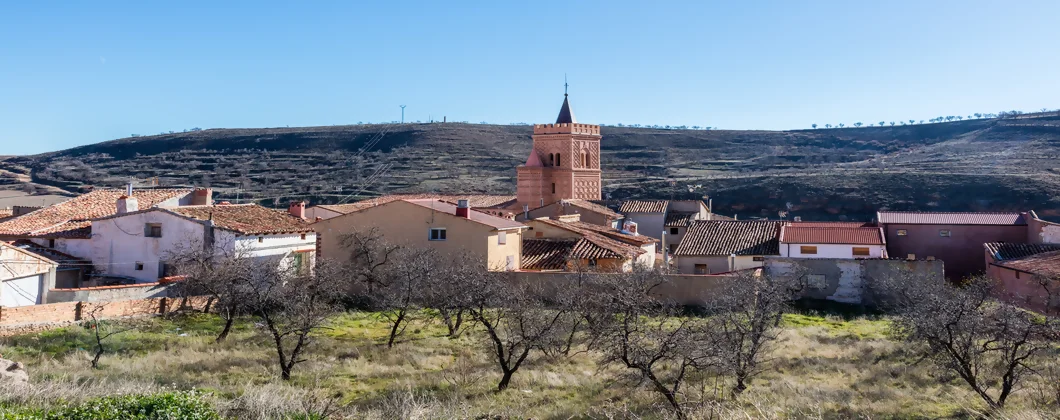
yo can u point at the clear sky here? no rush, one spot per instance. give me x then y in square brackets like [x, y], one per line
[74, 73]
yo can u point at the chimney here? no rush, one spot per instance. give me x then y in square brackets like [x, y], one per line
[127, 204]
[462, 209]
[202, 197]
[297, 209]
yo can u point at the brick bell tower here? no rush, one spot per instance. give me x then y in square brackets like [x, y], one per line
[564, 162]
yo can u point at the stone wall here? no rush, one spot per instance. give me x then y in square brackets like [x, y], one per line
[845, 280]
[109, 293]
[682, 289]
[53, 315]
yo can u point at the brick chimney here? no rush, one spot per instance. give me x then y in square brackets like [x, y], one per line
[297, 209]
[202, 197]
[462, 209]
[127, 204]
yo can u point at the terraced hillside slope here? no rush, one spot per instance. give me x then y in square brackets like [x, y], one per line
[978, 164]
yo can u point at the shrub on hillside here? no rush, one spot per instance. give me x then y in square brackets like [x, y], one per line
[168, 405]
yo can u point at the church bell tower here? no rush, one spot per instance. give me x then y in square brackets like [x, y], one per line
[563, 164]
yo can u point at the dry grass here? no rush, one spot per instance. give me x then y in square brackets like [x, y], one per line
[824, 368]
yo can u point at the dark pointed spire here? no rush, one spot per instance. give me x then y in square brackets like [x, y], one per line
[566, 116]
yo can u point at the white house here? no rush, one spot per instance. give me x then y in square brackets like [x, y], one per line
[136, 245]
[25, 277]
[719, 246]
[847, 240]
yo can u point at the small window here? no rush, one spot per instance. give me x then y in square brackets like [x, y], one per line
[902, 232]
[945, 233]
[1018, 275]
[539, 234]
[758, 259]
[303, 236]
[808, 250]
[551, 159]
[592, 262]
[816, 281]
[701, 269]
[673, 248]
[51, 243]
[261, 239]
[557, 160]
[673, 231]
[553, 187]
[139, 266]
[437, 234]
[502, 238]
[860, 251]
[153, 230]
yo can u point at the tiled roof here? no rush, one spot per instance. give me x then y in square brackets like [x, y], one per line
[643, 206]
[1010, 251]
[725, 237]
[612, 233]
[475, 201]
[474, 216]
[942, 218]
[1044, 264]
[797, 233]
[833, 224]
[246, 219]
[70, 219]
[553, 254]
[5, 213]
[591, 233]
[680, 218]
[588, 205]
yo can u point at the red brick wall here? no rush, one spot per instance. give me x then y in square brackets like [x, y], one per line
[962, 251]
[67, 312]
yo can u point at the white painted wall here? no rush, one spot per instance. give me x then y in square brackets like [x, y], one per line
[80, 248]
[22, 291]
[716, 263]
[832, 251]
[649, 224]
[312, 213]
[647, 259]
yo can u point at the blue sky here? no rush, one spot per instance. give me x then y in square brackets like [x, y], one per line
[84, 72]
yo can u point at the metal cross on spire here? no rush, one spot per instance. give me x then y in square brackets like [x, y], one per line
[564, 84]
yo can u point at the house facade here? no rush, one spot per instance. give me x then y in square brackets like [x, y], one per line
[1026, 273]
[955, 238]
[719, 246]
[25, 277]
[832, 240]
[585, 244]
[498, 205]
[587, 212]
[426, 223]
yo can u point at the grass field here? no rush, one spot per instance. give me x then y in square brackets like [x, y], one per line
[825, 367]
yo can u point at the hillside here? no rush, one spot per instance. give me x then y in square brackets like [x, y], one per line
[980, 164]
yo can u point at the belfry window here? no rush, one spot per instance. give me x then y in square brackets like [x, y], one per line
[557, 160]
[551, 159]
[553, 187]
[585, 160]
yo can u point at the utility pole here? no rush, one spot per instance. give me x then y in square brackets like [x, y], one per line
[403, 114]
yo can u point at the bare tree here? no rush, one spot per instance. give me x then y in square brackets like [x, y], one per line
[745, 320]
[989, 344]
[400, 295]
[369, 255]
[222, 276]
[444, 290]
[293, 305]
[103, 330]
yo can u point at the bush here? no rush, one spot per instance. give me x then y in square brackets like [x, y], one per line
[168, 406]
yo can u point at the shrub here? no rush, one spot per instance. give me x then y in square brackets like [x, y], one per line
[169, 405]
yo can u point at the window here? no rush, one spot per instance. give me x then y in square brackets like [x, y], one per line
[551, 159]
[902, 232]
[808, 250]
[557, 160]
[502, 238]
[553, 187]
[945, 233]
[701, 269]
[303, 236]
[673, 231]
[437, 234]
[539, 234]
[860, 251]
[758, 259]
[1018, 276]
[153, 230]
[261, 239]
[139, 266]
[592, 262]
[51, 243]
[164, 270]
[585, 160]
[816, 281]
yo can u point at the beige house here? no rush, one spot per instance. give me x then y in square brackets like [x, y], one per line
[429, 223]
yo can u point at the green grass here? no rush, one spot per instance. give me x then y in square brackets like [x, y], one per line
[837, 367]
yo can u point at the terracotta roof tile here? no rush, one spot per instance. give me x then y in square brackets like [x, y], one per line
[796, 233]
[613, 233]
[246, 219]
[474, 215]
[680, 218]
[1010, 251]
[644, 206]
[70, 218]
[1044, 264]
[600, 239]
[475, 201]
[725, 237]
[553, 254]
[944, 218]
[588, 205]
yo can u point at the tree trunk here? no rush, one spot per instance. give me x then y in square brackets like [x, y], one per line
[285, 373]
[95, 360]
[505, 380]
[224, 332]
[394, 329]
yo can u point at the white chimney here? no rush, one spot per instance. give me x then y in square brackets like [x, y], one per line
[126, 204]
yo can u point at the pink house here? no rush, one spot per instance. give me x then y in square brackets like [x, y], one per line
[1029, 274]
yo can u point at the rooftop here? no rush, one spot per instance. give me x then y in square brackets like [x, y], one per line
[591, 206]
[475, 201]
[474, 216]
[1045, 264]
[553, 254]
[644, 206]
[71, 218]
[950, 218]
[604, 237]
[824, 233]
[1010, 251]
[727, 237]
[246, 219]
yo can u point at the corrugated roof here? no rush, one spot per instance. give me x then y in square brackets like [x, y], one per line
[644, 206]
[475, 201]
[831, 235]
[948, 218]
[553, 254]
[1009, 251]
[70, 219]
[473, 215]
[726, 237]
[1044, 264]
